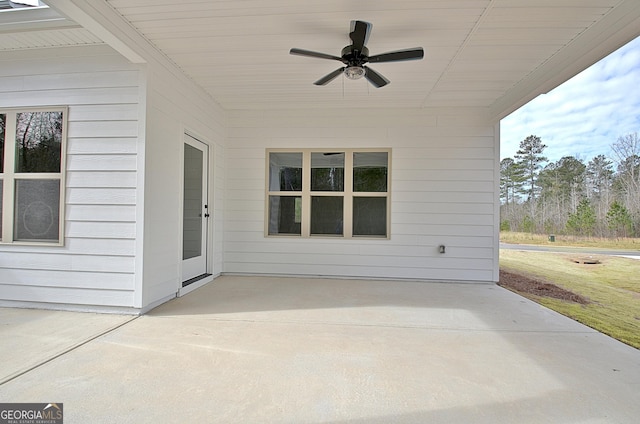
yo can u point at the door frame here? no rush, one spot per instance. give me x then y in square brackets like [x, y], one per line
[190, 138]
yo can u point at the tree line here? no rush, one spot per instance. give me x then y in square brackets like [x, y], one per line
[599, 198]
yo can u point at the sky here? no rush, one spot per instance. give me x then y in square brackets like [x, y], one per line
[584, 116]
[29, 2]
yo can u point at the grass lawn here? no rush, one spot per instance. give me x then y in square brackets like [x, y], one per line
[574, 241]
[612, 287]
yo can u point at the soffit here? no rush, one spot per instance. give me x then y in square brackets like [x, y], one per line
[40, 27]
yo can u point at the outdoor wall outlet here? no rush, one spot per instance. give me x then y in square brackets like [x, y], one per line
[441, 248]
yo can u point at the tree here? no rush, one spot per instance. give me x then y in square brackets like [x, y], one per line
[553, 213]
[601, 197]
[572, 177]
[627, 182]
[511, 179]
[598, 184]
[619, 220]
[561, 188]
[529, 157]
[527, 224]
[599, 177]
[39, 141]
[583, 220]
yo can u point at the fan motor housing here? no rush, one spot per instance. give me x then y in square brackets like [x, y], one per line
[354, 57]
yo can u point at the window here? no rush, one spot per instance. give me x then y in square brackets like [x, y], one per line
[32, 153]
[330, 193]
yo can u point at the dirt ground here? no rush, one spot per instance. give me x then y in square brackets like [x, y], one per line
[524, 285]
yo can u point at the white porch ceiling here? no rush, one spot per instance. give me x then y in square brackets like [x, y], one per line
[478, 53]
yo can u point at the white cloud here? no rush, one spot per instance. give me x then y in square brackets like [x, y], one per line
[586, 114]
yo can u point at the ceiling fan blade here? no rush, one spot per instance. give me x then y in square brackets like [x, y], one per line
[309, 53]
[397, 56]
[330, 77]
[359, 34]
[375, 78]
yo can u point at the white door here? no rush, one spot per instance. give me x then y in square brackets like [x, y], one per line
[195, 216]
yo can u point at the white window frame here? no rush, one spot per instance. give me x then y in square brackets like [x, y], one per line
[348, 194]
[9, 176]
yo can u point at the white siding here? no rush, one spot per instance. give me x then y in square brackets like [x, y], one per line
[442, 191]
[96, 266]
[124, 177]
[175, 105]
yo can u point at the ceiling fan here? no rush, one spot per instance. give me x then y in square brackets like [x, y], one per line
[356, 55]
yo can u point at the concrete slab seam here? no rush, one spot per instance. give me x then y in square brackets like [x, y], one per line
[65, 351]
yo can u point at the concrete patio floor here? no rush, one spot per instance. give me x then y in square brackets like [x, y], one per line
[291, 350]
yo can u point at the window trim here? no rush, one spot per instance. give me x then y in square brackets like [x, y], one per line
[9, 177]
[348, 194]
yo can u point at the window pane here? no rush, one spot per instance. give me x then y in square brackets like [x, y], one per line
[285, 171]
[370, 216]
[38, 141]
[285, 215]
[37, 210]
[1, 209]
[327, 215]
[327, 171]
[370, 171]
[3, 124]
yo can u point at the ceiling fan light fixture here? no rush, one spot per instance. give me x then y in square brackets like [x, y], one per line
[356, 55]
[354, 72]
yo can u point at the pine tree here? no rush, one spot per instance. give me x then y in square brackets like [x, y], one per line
[619, 220]
[511, 179]
[583, 220]
[529, 157]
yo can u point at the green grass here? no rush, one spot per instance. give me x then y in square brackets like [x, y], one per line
[613, 287]
[563, 240]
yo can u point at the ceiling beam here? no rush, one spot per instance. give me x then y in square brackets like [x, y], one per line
[95, 19]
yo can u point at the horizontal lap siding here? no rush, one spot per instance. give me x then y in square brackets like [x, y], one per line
[442, 192]
[176, 107]
[96, 266]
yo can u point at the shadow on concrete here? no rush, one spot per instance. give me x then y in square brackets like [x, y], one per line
[302, 350]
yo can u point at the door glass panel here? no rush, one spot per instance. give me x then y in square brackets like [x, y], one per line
[193, 204]
[327, 171]
[285, 215]
[37, 210]
[3, 124]
[285, 171]
[38, 141]
[327, 215]
[370, 171]
[369, 216]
